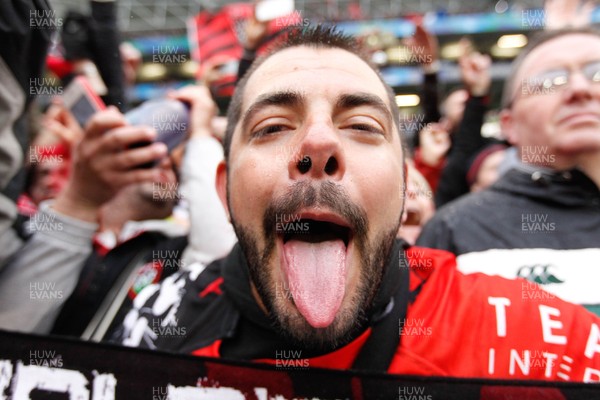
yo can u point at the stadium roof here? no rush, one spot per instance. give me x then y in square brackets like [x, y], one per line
[141, 17]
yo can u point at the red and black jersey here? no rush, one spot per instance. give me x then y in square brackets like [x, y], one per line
[452, 325]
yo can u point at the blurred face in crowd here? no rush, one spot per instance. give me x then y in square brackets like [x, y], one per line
[314, 181]
[161, 195]
[553, 124]
[418, 208]
[49, 178]
[488, 171]
[142, 201]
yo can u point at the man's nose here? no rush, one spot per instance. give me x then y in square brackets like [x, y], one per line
[579, 87]
[319, 155]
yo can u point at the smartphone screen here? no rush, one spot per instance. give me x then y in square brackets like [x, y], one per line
[268, 10]
[82, 110]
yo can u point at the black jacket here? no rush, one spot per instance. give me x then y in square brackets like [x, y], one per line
[104, 276]
[25, 30]
[533, 223]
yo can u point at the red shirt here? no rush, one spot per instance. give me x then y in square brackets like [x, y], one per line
[471, 326]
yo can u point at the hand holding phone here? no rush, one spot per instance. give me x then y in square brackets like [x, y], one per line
[104, 163]
[59, 121]
[169, 117]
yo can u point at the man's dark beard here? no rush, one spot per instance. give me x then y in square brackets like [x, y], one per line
[352, 316]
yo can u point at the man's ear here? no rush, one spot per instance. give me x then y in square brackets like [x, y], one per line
[221, 186]
[507, 126]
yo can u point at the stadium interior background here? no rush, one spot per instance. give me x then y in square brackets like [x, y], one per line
[499, 28]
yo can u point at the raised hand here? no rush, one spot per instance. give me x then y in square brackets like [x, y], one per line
[104, 162]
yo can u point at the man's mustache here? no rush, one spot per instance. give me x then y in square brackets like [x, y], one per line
[326, 195]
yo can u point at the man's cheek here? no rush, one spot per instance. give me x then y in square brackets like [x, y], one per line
[243, 203]
[248, 196]
[384, 194]
[391, 207]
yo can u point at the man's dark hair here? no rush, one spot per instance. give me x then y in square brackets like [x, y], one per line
[537, 40]
[318, 37]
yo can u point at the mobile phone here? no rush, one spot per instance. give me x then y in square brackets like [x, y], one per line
[268, 10]
[169, 117]
[82, 100]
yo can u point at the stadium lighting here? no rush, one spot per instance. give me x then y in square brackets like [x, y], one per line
[407, 100]
[512, 41]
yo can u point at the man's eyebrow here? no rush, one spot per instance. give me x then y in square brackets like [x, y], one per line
[347, 101]
[285, 98]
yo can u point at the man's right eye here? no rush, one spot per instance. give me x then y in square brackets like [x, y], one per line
[268, 130]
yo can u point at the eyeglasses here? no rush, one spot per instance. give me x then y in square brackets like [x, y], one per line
[554, 80]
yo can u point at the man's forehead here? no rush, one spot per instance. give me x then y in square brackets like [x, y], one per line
[285, 69]
[560, 52]
[297, 57]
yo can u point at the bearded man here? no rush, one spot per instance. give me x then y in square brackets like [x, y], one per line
[313, 183]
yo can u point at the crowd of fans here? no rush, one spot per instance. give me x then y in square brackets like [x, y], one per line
[96, 247]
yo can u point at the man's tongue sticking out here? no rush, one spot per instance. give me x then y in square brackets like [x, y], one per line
[316, 273]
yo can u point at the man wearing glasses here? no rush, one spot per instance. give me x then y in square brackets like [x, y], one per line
[541, 220]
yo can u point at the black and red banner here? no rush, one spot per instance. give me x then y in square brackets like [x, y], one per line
[216, 39]
[39, 367]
